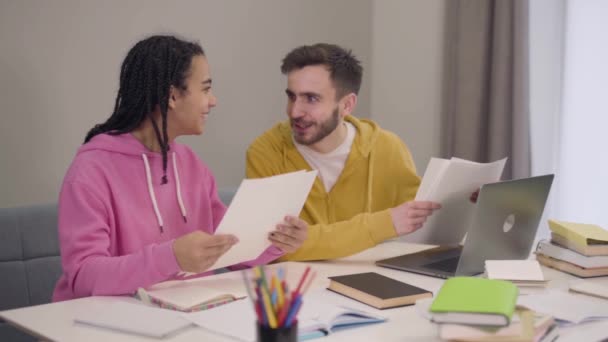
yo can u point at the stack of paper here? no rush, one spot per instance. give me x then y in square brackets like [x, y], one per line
[589, 288]
[451, 183]
[519, 272]
[565, 306]
[257, 207]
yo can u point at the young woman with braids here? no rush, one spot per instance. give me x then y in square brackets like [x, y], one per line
[135, 207]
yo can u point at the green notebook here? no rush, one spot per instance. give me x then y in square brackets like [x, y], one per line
[475, 301]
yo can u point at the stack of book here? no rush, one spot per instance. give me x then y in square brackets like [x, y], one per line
[478, 309]
[575, 248]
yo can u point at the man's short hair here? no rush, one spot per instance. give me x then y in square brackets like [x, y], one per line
[344, 68]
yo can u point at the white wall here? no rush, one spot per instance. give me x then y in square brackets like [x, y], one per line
[546, 45]
[407, 65]
[60, 61]
[583, 162]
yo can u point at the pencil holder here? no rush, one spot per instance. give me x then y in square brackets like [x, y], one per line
[280, 334]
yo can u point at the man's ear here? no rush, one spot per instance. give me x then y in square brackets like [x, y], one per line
[349, 102]
[172, 97]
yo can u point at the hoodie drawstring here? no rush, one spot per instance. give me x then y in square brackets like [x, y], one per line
[178, 189]
[370, 177]
[182, 208]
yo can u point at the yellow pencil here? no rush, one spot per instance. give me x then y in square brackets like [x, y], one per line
[272, 320]
[279, 288]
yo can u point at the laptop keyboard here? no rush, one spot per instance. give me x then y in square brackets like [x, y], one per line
[446, 265]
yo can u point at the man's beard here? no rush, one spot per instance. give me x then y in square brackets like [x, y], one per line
[325, 128]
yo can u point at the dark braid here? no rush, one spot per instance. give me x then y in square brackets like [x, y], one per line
[149, 70]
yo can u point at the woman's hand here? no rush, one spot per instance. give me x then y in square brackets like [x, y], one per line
[196, 252]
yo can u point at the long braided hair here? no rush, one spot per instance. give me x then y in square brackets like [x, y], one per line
[151, 67]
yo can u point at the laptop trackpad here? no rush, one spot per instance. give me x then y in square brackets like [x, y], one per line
[445, 265]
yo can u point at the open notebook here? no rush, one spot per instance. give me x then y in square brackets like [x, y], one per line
[317, 318]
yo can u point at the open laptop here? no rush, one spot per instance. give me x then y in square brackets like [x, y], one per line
[504, 225]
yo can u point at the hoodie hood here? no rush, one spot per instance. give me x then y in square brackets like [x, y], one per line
[361, 150]
[127, 144]
[122, 143]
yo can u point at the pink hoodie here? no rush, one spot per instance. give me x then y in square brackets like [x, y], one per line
[110, 218]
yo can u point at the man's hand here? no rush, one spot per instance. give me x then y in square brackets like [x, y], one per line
[198, 251]
[410, 216]
[290, 234]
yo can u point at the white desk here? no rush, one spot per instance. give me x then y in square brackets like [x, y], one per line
[56, 321]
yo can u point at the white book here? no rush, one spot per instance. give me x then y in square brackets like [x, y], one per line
[451, 182]
[561, 253]
[520, 272]
[134, 318]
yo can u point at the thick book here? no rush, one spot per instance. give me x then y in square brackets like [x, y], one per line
[377, 290]
[475, 301]
[588, 250]
[519, 272]
[589, 239]
[564, 254]
[526, 326]
[567, 267]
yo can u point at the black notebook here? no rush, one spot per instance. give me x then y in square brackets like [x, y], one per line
[377, 290]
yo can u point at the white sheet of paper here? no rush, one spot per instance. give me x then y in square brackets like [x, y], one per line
[570, 307]
[257, 207]
[589, 288]
[236, 320]
[134, 318]
[514, 270]
[451, 183]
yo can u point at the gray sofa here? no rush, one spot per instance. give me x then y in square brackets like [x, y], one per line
[30, 262]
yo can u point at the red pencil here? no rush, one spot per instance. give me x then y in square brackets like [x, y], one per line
[300, 283]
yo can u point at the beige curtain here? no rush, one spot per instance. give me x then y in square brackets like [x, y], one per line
[485, 95]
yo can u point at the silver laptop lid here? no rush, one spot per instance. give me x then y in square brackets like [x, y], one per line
[505, 222]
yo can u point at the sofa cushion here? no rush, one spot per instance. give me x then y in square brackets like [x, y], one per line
[29, 260]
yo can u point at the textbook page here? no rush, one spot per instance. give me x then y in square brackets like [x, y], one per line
[237, 319]
[451, 183]
[257, 207]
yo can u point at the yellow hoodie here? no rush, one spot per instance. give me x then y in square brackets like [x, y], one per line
[379, 174]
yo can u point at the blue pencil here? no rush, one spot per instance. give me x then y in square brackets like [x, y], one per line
[293, 311]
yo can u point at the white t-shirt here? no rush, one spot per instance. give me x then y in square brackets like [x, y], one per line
[331, 164]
